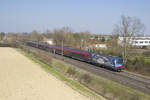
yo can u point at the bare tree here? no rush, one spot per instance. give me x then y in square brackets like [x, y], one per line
[58, 36]
[64, 35]
[47, 34]
[23, 37]
[2, 34]
[36, 36]
[85, 37]
[128, 27]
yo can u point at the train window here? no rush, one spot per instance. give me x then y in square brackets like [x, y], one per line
[119, 61]
[113, 62]
[146, 41]
[92, 54]
[105, 59]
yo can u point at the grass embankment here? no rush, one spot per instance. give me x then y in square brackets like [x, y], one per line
[105, 87]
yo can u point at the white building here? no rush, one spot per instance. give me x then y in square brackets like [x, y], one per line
[141, 42]
[48, 41]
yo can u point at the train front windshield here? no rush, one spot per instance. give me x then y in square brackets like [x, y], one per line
[119, 61]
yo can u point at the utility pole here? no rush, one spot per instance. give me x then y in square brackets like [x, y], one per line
[81, 43]
[62, 46]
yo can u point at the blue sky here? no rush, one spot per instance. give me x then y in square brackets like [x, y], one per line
[96, 16]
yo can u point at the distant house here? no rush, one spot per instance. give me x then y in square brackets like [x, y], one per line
[97, 45]
[140, 41]
[48, 41]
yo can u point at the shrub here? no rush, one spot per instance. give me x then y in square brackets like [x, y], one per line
[71, 71]
[86, 78]
[138, 64]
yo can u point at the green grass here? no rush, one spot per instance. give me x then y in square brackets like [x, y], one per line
[73, 84]
[147, 59]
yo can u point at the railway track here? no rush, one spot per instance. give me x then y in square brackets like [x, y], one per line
[130, 80]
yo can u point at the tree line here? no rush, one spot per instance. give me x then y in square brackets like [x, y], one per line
[126, 27]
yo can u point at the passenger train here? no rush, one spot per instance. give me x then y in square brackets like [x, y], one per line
[113, 63]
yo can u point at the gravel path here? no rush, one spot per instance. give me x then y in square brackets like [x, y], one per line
[21, 79]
